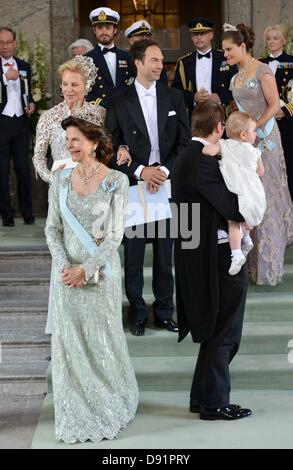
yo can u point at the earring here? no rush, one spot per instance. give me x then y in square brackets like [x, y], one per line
[92, 153]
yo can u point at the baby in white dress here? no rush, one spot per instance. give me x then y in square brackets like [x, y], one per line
[241, 167]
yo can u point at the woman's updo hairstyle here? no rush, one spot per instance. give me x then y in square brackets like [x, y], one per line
[244, 34]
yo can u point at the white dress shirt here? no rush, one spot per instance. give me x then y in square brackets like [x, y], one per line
[148, 102]
[14, 103]
[111, 61]
[274, 64]
[203, 72]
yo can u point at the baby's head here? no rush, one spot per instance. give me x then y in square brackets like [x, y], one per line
[241, 126]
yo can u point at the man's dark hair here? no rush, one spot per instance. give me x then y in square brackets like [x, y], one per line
[205, 117]
[137, 50]
[5, 28]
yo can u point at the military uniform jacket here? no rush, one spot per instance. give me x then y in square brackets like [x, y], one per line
[24, 75]
[284, 73]
[104, 87]
[222, 73]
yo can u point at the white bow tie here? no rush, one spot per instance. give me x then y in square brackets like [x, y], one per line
[149, 93]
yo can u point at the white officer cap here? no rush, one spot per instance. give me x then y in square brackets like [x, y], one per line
[138, 28]
[104, 15]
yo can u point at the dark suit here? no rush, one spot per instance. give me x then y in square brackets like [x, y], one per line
[104, 87]
[126, 122]
[210, 302]
[14, 141]
[185, 78]
[283, 75]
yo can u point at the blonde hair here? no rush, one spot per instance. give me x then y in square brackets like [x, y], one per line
[72, 66]
[236, 123]
[278, 27]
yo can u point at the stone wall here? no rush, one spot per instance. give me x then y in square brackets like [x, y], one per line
[259, 14]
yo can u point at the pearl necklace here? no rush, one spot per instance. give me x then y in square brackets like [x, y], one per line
[242, 73]
[85, 179]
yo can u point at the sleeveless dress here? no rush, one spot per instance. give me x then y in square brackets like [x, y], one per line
[270, 238]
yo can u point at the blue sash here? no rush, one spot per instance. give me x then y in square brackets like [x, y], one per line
[264, 144]
[80, 232]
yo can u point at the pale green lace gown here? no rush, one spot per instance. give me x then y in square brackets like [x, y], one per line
[94, 387]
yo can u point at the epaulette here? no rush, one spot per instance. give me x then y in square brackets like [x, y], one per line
[183, 57]
[220, 50]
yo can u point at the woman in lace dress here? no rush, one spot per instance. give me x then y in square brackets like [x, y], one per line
[255, 92]
[77, 78]
[94, 387]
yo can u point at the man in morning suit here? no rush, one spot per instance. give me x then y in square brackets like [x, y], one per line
[203, 74]
[16, 105]
[210, 302]
[114, 71]
[151, 119]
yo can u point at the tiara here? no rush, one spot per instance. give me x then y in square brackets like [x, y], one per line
[89, 70]
[229, 27]
[90, 113]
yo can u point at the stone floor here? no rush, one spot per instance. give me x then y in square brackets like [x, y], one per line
[18, 420]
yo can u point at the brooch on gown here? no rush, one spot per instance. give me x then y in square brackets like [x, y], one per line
[98, 237]
[252, 83]
[109, 186]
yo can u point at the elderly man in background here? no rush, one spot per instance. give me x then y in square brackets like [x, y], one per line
[16, 105]
[79, 47]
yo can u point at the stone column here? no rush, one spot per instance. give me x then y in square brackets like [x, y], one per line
[63, 33]
[238, 11]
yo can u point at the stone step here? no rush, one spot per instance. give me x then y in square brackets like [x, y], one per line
[15, 285]
[24, 261]
[267, 372]
[24, 344]
[258, 338]
[260, 307]
[23, 378]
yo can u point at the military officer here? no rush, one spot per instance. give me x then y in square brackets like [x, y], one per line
[142, 30]
[203, 74]
[281, 63]
[114, 70]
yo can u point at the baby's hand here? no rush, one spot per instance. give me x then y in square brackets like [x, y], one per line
[211, 149]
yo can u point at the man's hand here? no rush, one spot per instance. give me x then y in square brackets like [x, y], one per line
[154, 177]
[215, 97]
[12, 74]
[202, 95]
[280, 114]
[30, 109]
[123, 157]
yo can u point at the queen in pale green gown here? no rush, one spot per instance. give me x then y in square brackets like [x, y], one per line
[94, 386]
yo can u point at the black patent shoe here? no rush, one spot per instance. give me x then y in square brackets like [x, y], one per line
[169, 324]
[8, 222]
[138, 328]
[226, 413]
[195, 408]
[28, 219]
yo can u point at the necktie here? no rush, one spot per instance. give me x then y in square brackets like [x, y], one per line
[112, 49]
[150, 93]
[8, 64]
[207, 55]
[270, 59]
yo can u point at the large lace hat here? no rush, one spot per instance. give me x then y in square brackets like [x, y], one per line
[89, 70]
